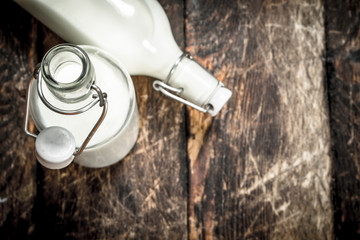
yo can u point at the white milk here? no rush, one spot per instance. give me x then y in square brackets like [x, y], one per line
[68, 72]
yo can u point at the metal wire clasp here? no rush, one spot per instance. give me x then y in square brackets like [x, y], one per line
[165, 89]
[169, 91]
[98, 97]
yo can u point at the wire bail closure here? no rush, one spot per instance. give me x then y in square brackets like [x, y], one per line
[98, 97]
[169, 91]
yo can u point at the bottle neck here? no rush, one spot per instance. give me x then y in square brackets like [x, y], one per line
[68, 73]
[197, 85]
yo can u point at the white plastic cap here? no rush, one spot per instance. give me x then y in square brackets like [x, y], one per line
[55, 147]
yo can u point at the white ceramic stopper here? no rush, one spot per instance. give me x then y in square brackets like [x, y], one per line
[55, 147]
[199, 86]
[220, 96]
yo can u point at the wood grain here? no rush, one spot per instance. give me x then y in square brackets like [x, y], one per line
[262, 167]
[343, 72]
[278, 162]
[18, 172]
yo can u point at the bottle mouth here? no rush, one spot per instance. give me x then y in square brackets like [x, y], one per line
[67, 71]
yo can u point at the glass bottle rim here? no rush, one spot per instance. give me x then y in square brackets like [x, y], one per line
[73, 49]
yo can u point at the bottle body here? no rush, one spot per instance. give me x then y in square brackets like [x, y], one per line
[118, 131]
[138, 33]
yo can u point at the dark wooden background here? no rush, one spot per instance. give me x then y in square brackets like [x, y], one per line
[281, 160]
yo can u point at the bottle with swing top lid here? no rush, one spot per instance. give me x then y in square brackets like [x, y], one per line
[138, 33]
[83, 103]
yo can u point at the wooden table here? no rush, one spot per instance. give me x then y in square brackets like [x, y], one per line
[280, 161]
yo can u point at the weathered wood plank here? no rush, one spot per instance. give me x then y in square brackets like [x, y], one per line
[144, 196]
[17, 175]
[343, 72]
[260, 169]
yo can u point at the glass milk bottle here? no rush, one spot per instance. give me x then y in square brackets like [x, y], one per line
[138, 33]
[83, 103]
